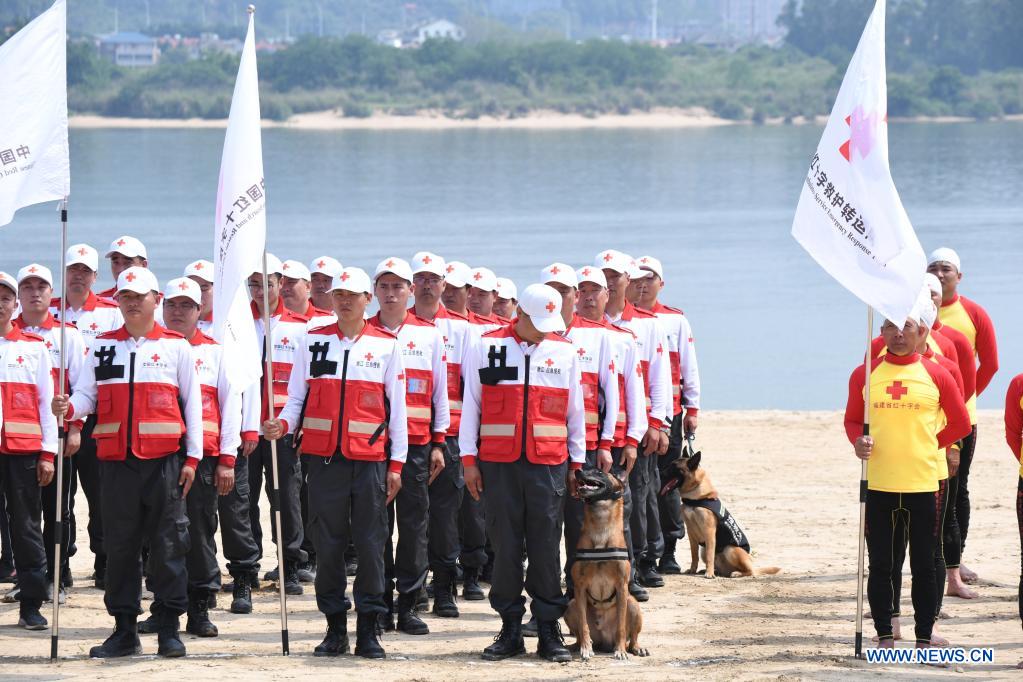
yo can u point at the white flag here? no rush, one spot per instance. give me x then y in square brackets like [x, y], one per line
[240, 225]
[850, 217]
[34, 162]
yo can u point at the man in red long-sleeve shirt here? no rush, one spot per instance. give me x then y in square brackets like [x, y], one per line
[1014, 437]
[969, 318]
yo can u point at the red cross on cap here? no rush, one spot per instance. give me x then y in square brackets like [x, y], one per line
[550, 306]
[586, 272]
[427, 260]
[156, 357]
[555, 270]
[411, 345]
[130, 277]
[183, 286]
[33, 269]
[548, 362]
[120, 242]
[608, 257]
[644, 259]
[198, 266]
[897, 390]
[450, 268]
[389, 264]
[285, 266]
[369, 357]
[82, 251]
[321, 264]
[478, 276]
[345, 276]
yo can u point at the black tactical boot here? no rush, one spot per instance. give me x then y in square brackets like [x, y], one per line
[123, 642]
[335, 642]
[292, 586]
[385, 621]
[29, 616]
[668, 565]
[366, 644]
[471, 590]
[531, 628]
[408, 621]
[443, 597]
[638, 591]
[150, 626]
[551, 646]
[648, 575]
[508, 642]
[241, 592]
[168, 640]
[198, 622]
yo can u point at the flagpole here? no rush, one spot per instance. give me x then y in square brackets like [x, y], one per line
[275, 499]
[58, 535]
[863, 487]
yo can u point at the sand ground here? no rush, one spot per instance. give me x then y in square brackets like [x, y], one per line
[789, 478]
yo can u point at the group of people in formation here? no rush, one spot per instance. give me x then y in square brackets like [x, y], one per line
[924, 380]
[457, 414]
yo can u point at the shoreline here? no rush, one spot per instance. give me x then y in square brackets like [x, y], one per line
[330, 120]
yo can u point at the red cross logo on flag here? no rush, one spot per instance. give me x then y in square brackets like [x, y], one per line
[861, 134]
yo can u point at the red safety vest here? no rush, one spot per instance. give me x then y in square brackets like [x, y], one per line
[21, 361]
[288, 330]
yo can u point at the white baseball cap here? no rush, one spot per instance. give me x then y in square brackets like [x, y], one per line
[932, 283]
[593, 274]
[35, 270]
[612, 260]
[8, 282]
[325, 265]
[944, 255]
[395, 266]
[183, 286]
[203, 269]
[483, 278]
[457, 273]
[295, 270]
[634, 270]
[127, 246]
[543, 306]
[424, 261]
[84, 254]
[273, 265]
[560, 273]
[652, 264]
[138, 279]
[924, 310]
[353, 279]
[506, 289]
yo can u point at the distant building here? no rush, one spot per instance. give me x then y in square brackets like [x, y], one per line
[129, 49]
[389, 37]
[440, 29]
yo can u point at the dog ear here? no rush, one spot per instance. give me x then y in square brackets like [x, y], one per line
[693, 462]
[622, 477]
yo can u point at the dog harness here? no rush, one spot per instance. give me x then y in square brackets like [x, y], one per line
[729, 533]
[602, 554]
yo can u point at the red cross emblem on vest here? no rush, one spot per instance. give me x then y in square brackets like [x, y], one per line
[896, 390]
[611, 367]
[198, 363]
[581, 352]
[20, 360]
[156, 357]
[369, 357]
[411, 345]
[549, 362]
[93, 326]
[284, 341]
[49, 345]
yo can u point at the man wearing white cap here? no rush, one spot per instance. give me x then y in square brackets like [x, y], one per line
[28, 442]
[124, 252]
[426, 398]
[651, 342]
[592, 341]
[685, 389]
[296, 290]
[144, 389]
[35, 289]
[482, 295]
[201, 272]
[92, 316]
[215, 476]
[522, 420]
[322, 272]
[972, 320]
[507, 298]
[631, 420]
[446, 490]
[347, 396]
[287, 331]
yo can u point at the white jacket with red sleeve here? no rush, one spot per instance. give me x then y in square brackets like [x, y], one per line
[26, 388]
[651, 343]
[221, 404]
[593, 347]
[685, 374]
[632, 418]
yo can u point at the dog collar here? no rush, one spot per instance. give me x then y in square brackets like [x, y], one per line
[617, 495]
[602, 554]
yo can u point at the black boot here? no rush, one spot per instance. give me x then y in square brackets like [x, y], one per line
[366, 643]
[123, 642]
[408, 621]
[443, 596]
[385, 621]
[292, 586]
[531, 628]
[168, 639]
[471, 590]
[668, 565]
[335, 642]
[551, 646]
[508, 642]
[241, 592]
[648, 575]
[638, 591]
[29, 616]
[198, 622]
[150, 626]
[422, 599]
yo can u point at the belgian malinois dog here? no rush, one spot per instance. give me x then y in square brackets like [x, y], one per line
[714, 535]
[603, 616]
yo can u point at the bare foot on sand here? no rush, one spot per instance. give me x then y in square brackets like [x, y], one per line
[938, 640]
[967, 575]
[896, 631]
[956, 586]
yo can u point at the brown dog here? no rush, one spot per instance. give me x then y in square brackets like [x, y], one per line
[603, 616]
[712, 531]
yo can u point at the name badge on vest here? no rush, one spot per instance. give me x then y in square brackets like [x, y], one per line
[106, 368]
[319, 364]
[498, 369]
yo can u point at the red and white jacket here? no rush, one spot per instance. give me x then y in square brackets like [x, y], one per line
[49, 332]
[651, 344]
[26, 391]
[318, 317]
[96, 316]
[221, 404]
[456, 336]
[599, 379]
[481, 324]
[145, 394]
[426, 378]
[632, 421]
[523, 399]
[288, 330]
[349, 395]
[685, 374]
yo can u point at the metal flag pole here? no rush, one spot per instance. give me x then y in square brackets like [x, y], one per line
[275, 498]
[58, 535]
[861, 538]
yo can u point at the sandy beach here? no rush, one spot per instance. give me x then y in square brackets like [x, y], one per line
[790, 480]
